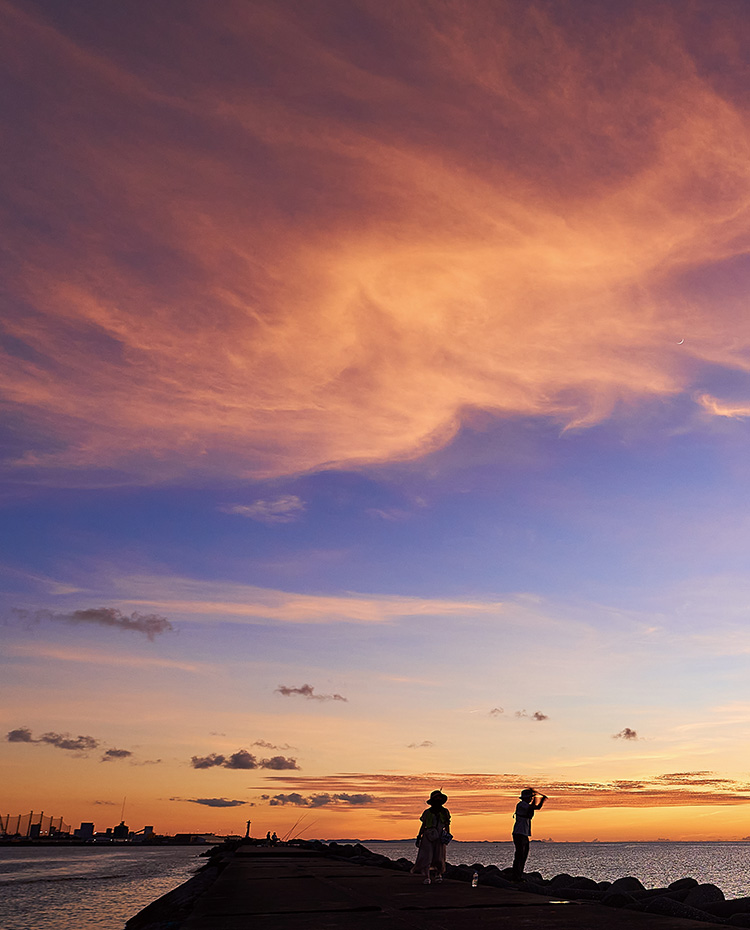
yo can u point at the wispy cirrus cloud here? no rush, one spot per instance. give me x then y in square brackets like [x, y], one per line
[97, 657]
[238, 603]
[284, 509]
[525, 279]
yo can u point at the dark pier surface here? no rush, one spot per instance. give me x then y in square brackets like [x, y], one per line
[286, 888]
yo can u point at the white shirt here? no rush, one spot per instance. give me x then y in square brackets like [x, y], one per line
[524, 813]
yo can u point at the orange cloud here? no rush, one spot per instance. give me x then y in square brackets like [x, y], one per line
[400, 795]
[331, 266]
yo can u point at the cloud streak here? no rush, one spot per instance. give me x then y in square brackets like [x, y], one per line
[240, 603]
[399, 795]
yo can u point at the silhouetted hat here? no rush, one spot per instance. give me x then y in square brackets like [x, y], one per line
[437, 797]
[527, 793]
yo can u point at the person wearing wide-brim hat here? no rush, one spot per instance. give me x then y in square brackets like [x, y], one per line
[433, 837]
[525, 808]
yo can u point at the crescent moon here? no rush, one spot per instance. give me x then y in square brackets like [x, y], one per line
[680, 342]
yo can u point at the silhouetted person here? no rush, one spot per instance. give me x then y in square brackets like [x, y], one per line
[522, 828]
[274, 838]
[433, 829]
[268, 837]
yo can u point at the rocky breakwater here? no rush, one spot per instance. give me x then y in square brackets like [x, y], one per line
[686, 897]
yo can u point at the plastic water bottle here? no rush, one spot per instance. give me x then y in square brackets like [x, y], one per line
[475, 880]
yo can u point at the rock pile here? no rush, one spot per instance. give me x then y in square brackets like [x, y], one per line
[684, 898]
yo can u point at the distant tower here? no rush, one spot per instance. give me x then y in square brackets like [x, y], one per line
[247, 831]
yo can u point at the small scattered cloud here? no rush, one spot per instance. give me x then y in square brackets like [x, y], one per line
[242, 760]
[207, 762]
[284, 509]
[66, 741]
[278, 763]
[80, 743]
[264, 744]
[151, 625]
[111, 754]
[319, 800]
[105, 803]
[212, 802]
[425, 744]
[21, 735]
[626, 733]
[308, 692]
[538, 716]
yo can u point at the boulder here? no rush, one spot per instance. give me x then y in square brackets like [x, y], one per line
[628, 884]
[561, 881]
[580, 881]
[702, 895]
[683, 883]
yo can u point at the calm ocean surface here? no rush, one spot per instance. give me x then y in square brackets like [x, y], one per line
[87, 887]
[99, 888]
[655, 864]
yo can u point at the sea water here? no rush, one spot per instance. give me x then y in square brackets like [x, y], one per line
[99, 888]
[87, 887]
[655, 864]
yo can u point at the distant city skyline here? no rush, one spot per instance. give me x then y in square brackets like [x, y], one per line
[375, 380]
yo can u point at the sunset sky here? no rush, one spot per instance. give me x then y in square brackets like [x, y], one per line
[375, 384]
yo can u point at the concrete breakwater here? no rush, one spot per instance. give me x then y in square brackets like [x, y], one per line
[308, 884]
[686, 898]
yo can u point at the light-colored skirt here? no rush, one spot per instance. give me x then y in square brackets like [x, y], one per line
[430, 856]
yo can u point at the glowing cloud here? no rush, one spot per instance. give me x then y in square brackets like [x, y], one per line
[297, 288]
